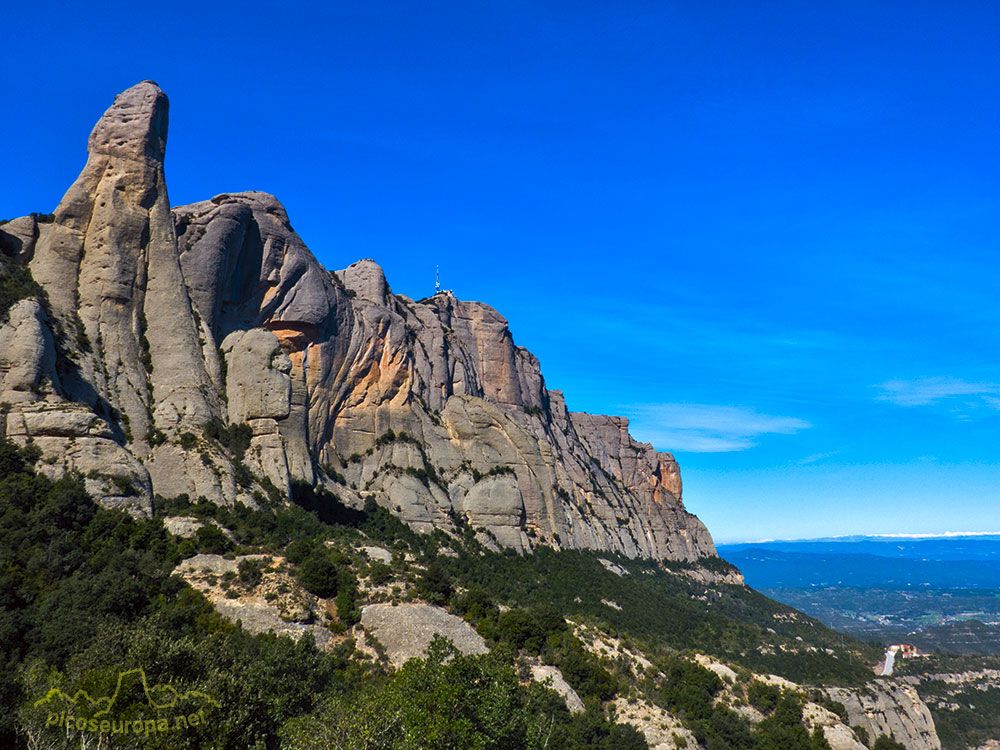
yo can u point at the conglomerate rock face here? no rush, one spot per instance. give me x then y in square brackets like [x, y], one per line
[163, 320]
[890, 708]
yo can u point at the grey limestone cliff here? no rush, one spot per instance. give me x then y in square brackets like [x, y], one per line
[892, 708]
[160, 321]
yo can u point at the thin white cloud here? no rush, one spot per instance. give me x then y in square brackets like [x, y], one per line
[862, 537]
[992, 401]
[816, 457]
[706, 428]
[927, 391]
[942, 535]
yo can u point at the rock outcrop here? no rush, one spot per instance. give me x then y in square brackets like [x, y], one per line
[891, 708]
[162, 320]
[28, 357]
[406, 630]
[551, 677]
[837, 734]
[274, 604]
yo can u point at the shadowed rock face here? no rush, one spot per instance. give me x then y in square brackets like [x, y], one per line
[218, 310]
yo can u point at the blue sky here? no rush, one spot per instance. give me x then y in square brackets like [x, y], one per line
[768, 235]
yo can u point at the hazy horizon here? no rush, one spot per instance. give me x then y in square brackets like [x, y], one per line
[870, 537]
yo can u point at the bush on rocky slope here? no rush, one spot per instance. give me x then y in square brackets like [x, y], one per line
[16, 284]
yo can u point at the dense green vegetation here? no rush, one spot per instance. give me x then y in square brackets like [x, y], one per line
[540, 631]
[689, 691]
[455, 701]
[783, 729]
[86, 593]
[666, 611]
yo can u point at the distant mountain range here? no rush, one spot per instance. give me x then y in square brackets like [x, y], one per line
[936, 592]
[952, 562]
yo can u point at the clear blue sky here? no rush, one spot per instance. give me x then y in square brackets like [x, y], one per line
[766, 232]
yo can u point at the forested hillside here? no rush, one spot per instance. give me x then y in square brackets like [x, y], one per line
[89, 593]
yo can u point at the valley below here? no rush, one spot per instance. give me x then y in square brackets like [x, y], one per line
[936, 594]
[940, 597]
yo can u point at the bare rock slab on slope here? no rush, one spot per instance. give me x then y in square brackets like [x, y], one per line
[274, 604]
[541, 673]
[406, 630]
[662, 730]
[887, 707]
[837, 734]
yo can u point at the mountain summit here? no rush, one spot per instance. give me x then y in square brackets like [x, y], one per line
[203, 350]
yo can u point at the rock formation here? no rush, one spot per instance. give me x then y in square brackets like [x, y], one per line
[891, 708]
[406, 630]
[161, 321]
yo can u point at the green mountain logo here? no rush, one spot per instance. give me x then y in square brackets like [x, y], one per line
[158, 696]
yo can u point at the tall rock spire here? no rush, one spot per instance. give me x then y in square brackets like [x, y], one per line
[135, 126]
[110, 261]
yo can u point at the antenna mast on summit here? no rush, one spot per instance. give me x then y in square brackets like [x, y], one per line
[437, 279]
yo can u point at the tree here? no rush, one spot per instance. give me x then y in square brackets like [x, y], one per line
[762, 696]
[251, 572]
[884, 742]
[435, 584]
[818, 740]
[318, 574]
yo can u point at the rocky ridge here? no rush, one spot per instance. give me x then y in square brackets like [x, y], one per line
[892, 708]
[160, 321]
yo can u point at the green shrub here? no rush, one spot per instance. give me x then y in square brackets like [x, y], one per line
[318, 574]
[379, 573]
[235, 438]
[212, 540]
[125, 486]
[347, 608]
[434, 584]
[762, 696]
[688, 689]
[476, 604]
[783, 729]
[241, 474]
[884, 742]
[16, 284]
[251, 572]
[144, 355]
